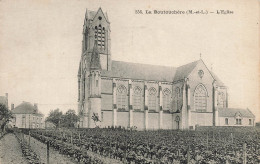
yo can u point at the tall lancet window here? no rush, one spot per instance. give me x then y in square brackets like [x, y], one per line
[166, 99]
[121, 98]
[137, 98]
[83, 87]
[152, 99]
[86, 39]
[100, 36]
[178, 98]
[221, 100]
[23, 121]
[200, 98]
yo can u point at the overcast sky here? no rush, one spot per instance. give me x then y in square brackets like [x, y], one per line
[40, 45]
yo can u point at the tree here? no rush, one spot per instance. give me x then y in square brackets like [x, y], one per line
[5, 116]
[257, 124]
[55, 117]
[70, 118]
[95, 118]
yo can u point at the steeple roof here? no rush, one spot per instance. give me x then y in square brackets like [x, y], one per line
[95, 58]
[91, 14]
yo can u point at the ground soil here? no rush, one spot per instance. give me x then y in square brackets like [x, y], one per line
[10, 150]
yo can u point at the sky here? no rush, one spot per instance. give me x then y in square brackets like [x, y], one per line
[40, 45]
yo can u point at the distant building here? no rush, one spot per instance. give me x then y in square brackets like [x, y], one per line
[49, 125]
[147, 96]
[236, 117]
[27, 115]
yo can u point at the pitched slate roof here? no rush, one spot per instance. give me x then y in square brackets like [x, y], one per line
[91, 14]
[26, 108]
[231, 112]
[185, 70]
[140, 71]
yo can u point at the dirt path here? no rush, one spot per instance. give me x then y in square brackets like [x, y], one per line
[10, 150]
[41, 150]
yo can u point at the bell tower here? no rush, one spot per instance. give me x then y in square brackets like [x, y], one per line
[95, 57]
[97, 28]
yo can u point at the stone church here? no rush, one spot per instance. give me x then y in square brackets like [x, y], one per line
[117, 93]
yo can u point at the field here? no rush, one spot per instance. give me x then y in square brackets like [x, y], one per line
[207, 145]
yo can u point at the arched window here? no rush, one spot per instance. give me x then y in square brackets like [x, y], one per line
[121, 97]
[166, 99]
[137, 98]
[221, 100]
[84, 87]
[152, 99]
[23, 121]
[226, 121]
[178, 98]
[100, 36]
[177, 119]
[200, 98]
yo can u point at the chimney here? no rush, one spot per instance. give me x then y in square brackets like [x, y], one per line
[6, 95]
[36, 107]
[12, 106]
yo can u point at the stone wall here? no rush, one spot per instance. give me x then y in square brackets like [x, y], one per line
[123, 120]
[201, 119]
[206, 80]
[31, 121]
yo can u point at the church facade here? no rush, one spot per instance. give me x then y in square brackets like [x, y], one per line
[116, 93]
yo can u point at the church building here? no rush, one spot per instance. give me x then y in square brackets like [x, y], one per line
[149, 97]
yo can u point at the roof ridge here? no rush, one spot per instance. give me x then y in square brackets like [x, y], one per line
[234, 108]
[144, 64]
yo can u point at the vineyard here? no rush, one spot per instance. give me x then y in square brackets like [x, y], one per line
[239, 145]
